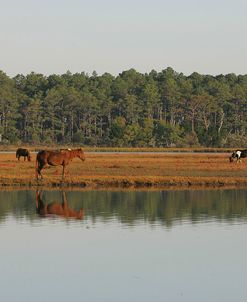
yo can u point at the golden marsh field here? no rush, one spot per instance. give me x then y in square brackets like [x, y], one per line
[131, 170]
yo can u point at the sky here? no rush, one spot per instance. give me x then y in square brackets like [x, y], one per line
[56, 36]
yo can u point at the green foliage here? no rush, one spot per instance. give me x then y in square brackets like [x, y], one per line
[146, 135]
[234, 140]
[131, 135]
[132, 109]
[78, 137]
[191, 140]
[117, 131]
[167, 135]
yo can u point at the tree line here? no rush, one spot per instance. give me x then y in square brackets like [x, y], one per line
[156, 109]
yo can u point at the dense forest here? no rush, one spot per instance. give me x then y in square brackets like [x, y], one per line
[156, 109]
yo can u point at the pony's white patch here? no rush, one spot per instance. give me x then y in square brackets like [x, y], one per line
[238, 153]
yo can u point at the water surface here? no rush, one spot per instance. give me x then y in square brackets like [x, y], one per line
[128, 246]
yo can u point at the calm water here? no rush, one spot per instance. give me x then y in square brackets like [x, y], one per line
[128, 246]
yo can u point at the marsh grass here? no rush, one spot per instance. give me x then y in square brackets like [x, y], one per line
[129, 170]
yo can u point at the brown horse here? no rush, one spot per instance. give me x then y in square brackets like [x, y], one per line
[57, 209]
[56, 158]
[23, 152]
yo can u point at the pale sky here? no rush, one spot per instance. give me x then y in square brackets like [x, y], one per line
[54, 36]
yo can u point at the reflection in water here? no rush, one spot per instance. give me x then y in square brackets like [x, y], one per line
[55, 208]
[131, 245]
[129, 207]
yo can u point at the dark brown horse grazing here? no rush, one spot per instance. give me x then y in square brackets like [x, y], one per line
[56, 158]
[56, 208]
[23, 152]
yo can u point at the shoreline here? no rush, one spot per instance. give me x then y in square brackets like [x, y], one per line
[175, 183]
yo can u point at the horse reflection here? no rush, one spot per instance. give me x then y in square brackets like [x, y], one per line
[56, 208]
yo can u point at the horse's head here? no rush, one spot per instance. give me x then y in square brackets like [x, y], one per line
[231, 158]
[81, 154]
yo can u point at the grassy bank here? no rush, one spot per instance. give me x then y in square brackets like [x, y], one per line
[121, 170]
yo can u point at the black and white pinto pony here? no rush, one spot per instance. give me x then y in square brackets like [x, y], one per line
[238, 155]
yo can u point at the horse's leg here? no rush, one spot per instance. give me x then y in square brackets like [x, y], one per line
[36, 169]
[63, 171]
[66, 163]
[39, 201]
[38, 173]
[41, 175]
[40, 167]
[65, 201]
